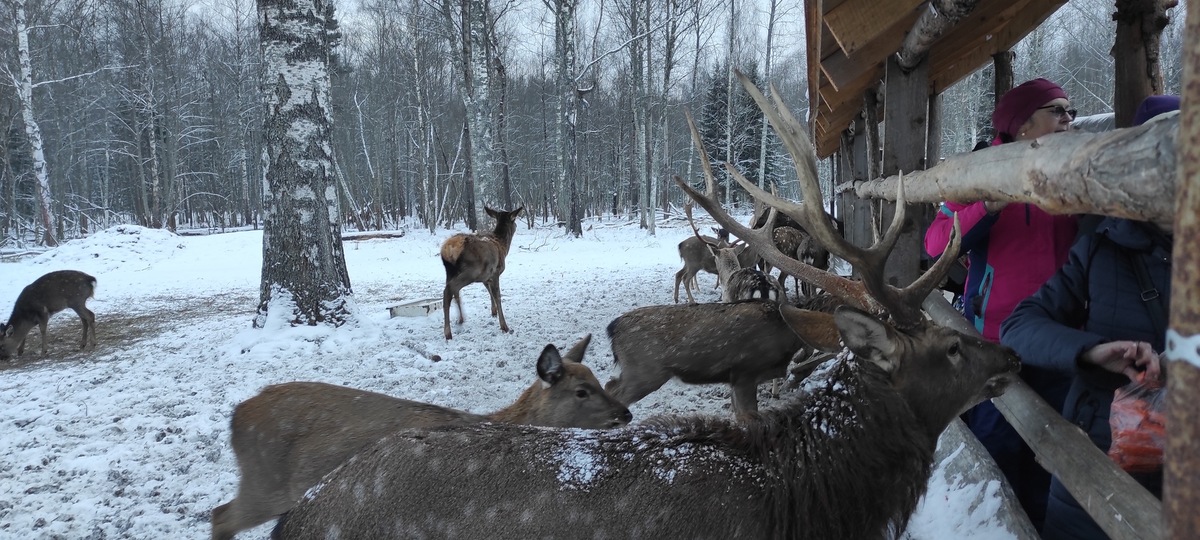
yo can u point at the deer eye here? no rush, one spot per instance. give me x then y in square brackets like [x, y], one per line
[581, 393]
[953, 351]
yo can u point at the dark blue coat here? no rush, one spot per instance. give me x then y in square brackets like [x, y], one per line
[1094, 298]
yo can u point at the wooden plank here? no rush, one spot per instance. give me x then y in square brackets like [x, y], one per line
[813, 16]
[964, 52]
[855, 23]
[842, 68]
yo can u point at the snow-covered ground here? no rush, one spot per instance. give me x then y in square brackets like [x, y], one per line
[132, 440]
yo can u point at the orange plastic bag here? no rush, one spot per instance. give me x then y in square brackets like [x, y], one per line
[1138, 425]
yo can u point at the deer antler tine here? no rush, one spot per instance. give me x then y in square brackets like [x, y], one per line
[710, 181]
[881, 249]
[916, 291]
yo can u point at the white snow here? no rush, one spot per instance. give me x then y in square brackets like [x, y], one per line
[132, 440]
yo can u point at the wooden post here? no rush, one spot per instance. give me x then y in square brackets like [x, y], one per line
[1003, 64]
[906, 115]
[1135, 55]
[1181, 495]
[856, 221]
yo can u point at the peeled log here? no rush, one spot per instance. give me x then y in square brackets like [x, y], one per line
[1129, 173]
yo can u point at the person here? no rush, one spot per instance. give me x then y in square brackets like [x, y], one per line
[1098, 322]
[1011, 250]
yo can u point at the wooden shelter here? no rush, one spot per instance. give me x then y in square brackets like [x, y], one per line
[874, 62]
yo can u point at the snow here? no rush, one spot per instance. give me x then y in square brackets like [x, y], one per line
[132, 440]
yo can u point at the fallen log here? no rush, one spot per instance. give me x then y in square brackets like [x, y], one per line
[1129, 173]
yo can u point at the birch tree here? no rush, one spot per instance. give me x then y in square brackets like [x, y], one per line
[304, 277]
[23, 81]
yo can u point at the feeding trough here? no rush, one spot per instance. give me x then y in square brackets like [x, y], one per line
[416, 308]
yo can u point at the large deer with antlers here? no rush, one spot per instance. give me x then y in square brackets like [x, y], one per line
[864, 426]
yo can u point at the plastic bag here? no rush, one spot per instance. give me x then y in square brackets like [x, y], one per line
[1138, 422]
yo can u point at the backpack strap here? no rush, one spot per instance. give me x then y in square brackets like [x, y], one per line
[1150, 296]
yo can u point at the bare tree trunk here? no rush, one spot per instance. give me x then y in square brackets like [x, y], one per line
[32, 130]
[729, 93]
[566, 110]
[772, 12]
[478, 102]
[304, 277]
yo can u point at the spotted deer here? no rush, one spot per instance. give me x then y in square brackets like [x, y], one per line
[477, 258]
[290, 435]
[38, 301]
[864, 426]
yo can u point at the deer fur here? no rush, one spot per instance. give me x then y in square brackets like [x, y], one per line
[38, 301]
[477, 258]
[848, 457]
[290, 435]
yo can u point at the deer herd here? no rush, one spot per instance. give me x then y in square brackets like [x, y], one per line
[848, 455]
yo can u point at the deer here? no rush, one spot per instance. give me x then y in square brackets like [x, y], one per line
[737, 281]
[864, 426]
[477, 258]
[290, 435]
[38, 301]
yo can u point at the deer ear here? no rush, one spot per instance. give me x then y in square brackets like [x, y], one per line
[491, 212]
[517, 212]
[816, 328]
[578, 350]
[867, 337]
[549, 366]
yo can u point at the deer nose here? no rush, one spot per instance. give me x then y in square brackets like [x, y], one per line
[623, 418]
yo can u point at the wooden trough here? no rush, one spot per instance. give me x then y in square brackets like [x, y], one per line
[416, 308]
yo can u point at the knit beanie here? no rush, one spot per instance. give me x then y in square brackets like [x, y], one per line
[1018, 104]
[1154, 106]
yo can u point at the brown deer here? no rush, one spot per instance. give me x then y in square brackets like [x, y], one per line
[477, 258]
[848, 456]
[290, 435]
[43, 298]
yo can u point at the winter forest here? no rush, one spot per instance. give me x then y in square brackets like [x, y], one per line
[150, 112]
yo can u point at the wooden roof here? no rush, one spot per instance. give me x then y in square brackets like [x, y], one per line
[850, 41]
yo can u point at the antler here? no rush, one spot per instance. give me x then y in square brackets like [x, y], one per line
[872, 293]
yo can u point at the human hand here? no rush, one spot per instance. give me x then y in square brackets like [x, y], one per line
[1126, 357]
[994, 206]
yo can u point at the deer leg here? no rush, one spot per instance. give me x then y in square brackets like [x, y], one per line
[89, 327]
[447, 296]
[745, 397]
[679, 276]
[235, 516]
[493, 287]
[42, 327]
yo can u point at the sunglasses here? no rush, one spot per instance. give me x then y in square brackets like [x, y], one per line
[1059, 111]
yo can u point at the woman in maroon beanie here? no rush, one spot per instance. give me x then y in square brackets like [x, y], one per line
[1011, 250]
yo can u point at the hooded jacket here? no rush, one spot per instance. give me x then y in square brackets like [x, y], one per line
[1010, 254]
[1095, 298]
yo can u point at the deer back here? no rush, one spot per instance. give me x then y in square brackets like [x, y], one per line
[481, 256]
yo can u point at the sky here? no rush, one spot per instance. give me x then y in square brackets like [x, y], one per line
[131, 440]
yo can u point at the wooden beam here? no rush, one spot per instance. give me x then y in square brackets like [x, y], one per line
[1181, 490]
[855, 23]
[842, 68]
[962, 54]
[905, 124]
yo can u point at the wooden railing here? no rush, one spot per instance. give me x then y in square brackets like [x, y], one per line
[1119, 505]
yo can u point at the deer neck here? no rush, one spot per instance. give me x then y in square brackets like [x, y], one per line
[523, 410]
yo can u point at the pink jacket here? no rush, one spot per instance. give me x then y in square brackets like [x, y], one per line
[1010, 254]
